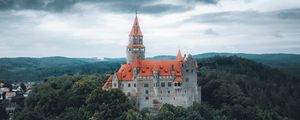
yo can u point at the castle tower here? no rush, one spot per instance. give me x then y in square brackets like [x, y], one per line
[135, 46]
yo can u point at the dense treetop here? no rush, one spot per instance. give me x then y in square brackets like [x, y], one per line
[233, 88]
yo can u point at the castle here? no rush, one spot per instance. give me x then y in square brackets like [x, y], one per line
[155, 82]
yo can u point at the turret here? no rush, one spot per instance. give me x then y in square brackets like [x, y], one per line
[135, 46]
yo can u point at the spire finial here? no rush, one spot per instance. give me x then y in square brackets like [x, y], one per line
[135, 12]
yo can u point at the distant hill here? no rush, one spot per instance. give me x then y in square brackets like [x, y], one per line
[36, 69]
[289, 63]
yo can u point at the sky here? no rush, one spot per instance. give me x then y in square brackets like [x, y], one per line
[100, 28]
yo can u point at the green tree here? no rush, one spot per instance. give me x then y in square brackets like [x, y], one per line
[133, 115]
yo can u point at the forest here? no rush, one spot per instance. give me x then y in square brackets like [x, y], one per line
[23, 69]
[233, 88]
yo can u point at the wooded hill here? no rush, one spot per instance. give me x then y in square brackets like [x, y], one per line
[233, 88]
[39, 69]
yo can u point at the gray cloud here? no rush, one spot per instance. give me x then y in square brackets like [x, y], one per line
[288, 16]
[210, 31]
[120, 6]
[203, 1]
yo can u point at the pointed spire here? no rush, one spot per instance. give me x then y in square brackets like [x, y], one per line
[135, 61]
[136, 30]
[179, 56]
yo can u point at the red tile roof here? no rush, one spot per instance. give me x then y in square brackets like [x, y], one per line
[136, 30]
[107, 83]
[179, 56]
[146, 68]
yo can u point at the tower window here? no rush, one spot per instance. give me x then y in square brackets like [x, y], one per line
[146, 91]
[162, 84]
[169, 84]
[129, 49]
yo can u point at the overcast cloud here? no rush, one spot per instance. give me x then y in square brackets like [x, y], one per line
[100, 28]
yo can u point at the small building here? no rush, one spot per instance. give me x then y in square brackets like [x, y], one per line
[10, 95]
[1, 85]
[155, 82]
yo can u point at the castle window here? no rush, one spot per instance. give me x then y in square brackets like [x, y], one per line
[146, 98]
[134, 85]
[129, 49]
[187, 70]
[129, 85]
[187, 79]
[192, 70]
[162, 84]
[168, 91]
[146, 85]
[175, 84]
[179, 84]
[115, 84]
[169, 84]
[146, 91]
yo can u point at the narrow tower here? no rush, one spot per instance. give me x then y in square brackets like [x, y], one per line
[135, 46]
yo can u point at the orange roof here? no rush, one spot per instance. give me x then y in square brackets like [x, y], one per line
[136, 45]
[146, 68]
[179, 56]
[136, 31]
[163, 66]
[125, 72]
[107, 83]
[178, 79]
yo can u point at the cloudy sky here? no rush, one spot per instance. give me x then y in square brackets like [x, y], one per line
[100, 28]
